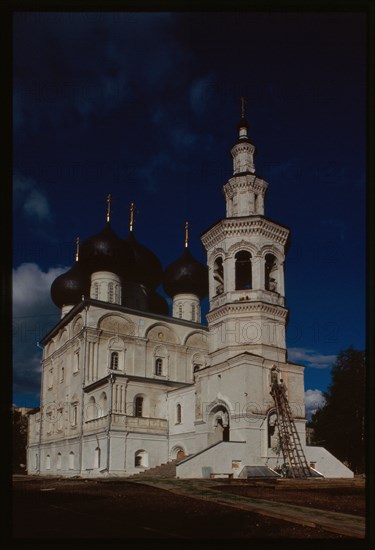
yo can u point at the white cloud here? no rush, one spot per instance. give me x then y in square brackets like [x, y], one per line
[311, 358]
[314, 400]
[31, 287]
[32, 200]
[33, 316]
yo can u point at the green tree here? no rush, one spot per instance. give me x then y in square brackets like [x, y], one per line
[19, 440]
[339, 424]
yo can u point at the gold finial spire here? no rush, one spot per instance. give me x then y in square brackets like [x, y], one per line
[186, 234]
[77, 249]
[132, 208]
[243, 107]
[108, 206]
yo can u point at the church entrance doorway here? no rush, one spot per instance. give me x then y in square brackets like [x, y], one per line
[177, 453]
[219, 429]
[180, 454]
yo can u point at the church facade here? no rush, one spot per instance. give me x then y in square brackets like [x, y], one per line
[126, 386]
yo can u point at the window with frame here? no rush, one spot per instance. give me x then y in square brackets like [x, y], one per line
[76, 362]
[114, 363]
[96, 291]
[243, 270]
[140, 459]
[137, 460]
[49, 421]
[270, 273]
[159, 366]
[180, 311]
[178, 414]
[219, 276]
[60, 419]
[50, 378]
[111, 293]
[138, 406]
[48, 462]
[193, 312]
[74, 415]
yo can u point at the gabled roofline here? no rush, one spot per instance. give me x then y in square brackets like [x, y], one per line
[116, 307]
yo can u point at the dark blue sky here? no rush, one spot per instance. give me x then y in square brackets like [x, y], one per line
[145, 107]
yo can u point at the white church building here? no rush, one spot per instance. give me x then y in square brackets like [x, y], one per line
[126, 386]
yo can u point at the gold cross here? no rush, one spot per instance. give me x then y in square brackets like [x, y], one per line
[108, 206]
[243, 106]
[132, 208]
[77, 249]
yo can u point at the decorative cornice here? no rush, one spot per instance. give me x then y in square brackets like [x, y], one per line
[248, 307]
[245, 227]
[248, 181]
[241, 146]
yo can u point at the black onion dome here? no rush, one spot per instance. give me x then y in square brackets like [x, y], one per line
[68, 288]
[145, 268]
[158, 304]
[105, 251]
[186, 276]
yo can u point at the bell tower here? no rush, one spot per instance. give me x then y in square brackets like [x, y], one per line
[246, 255]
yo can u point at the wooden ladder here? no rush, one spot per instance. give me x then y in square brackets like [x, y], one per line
[290, 442]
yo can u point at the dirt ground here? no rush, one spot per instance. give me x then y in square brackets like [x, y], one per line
[117, 509]
[347, 500]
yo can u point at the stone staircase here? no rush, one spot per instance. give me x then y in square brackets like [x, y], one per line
[163, 471]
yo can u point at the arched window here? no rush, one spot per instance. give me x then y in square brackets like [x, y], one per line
[74, 414]
[111, 293]
[96, 291]
[60, 419]
[243, 270]
[193, 312]
[178, 414]
[58, 461]
[219, 276]
[114, 360]
[92, 410]
[71, 460]
[103, 404]
[141, 459]
[159, 366]
[50, 378]
[138, 406]
[270, 273]
[48, 462]
[180, 311]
